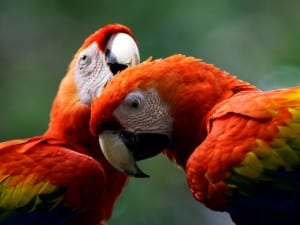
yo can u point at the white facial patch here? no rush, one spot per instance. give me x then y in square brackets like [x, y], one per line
[93, 69]
[144, 111]
[91, 73]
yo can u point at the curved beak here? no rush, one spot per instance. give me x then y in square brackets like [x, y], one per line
[123, 148]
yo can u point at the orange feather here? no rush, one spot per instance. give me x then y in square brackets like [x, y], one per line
[239, 146]
[177, 78]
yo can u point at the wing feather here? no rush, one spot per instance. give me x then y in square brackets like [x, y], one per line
[42, 181]
[252, 153]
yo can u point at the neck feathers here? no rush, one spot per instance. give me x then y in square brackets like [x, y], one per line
[192, 104]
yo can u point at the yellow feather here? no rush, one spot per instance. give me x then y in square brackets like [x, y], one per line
[22, 192]
[272, 161]
[262, 149]
[277, 142]
[251, 166]
[294, 95]
[295, 126]
[288, 155]
[287, 132]
[295, 111]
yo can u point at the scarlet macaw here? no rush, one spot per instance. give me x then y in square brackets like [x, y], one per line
[239, 146]
[62, 177]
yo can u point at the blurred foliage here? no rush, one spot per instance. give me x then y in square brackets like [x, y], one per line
[256, 40]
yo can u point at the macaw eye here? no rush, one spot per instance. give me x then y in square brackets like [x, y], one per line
[84, 61]
[134, 101]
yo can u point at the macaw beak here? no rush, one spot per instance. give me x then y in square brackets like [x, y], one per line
[123, 148]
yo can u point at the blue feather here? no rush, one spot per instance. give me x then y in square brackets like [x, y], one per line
[267, 203]
[58, 215]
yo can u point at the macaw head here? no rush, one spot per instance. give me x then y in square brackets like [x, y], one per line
[155, 106]
[107, 51]
[103, 54]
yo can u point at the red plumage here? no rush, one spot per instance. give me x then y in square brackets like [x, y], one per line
[63, 173]
[238, 145]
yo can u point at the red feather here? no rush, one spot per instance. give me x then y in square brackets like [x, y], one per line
[67, 156]
[239, 146]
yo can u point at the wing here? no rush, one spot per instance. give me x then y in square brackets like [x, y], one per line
[42, 181]
[249, 163]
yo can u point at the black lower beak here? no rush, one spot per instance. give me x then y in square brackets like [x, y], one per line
[144, 145]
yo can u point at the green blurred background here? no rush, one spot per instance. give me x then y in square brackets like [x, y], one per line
[256, 40]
